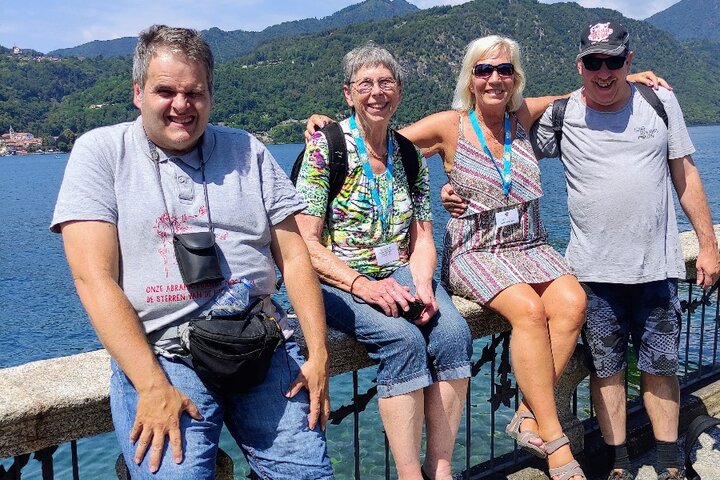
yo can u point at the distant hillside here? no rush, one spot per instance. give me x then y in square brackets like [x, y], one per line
[690, 19]
[227, 45]
[107, 48]
[33, 93]
[278, 84]
[281, 82]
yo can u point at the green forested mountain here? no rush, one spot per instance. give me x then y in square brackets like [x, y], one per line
[228, 45]
[287, 79]
[278, 84]
[46, 96]
[117, 47]
[690, 19]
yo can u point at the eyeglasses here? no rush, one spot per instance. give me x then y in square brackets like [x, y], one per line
[366, 85]
[595, 63]
[485, 70]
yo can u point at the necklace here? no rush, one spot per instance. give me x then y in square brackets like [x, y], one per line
[374, 154]
[370, 150]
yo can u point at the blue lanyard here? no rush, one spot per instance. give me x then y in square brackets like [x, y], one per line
[374, 187]
[505, 175]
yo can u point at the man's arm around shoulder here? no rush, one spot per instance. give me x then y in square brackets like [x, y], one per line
[92, 251]
[292, 258]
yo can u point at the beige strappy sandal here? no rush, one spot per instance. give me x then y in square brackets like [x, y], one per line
[523, 438]
[570, 469]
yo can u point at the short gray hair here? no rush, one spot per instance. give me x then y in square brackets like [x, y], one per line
[183, 41]
[371, 55]
[484, 47]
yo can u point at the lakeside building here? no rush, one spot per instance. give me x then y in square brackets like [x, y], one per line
[19, 142]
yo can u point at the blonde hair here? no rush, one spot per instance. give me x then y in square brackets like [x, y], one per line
[485, 47]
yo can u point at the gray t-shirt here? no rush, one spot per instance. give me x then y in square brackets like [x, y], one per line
[111, 177]
[622, 215]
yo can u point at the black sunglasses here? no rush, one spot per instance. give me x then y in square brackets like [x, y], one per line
[484, 70]
[594, 63]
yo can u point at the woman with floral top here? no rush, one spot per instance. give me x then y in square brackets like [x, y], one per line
[375, 255]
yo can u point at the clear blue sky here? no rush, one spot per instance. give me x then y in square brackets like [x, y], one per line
[46, 25]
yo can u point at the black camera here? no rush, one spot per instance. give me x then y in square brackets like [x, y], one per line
[414, 310]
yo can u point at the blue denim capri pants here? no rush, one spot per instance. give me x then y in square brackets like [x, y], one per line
[409, 357]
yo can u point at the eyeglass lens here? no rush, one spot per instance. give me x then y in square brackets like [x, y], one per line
[595, 63]
[366, 85]
[486, 70]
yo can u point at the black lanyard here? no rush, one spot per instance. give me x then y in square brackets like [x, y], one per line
[156, 160]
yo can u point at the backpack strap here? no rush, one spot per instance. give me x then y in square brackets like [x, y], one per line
[337, 163]
[338, 160]
[651, 97]
[558, 118]
[558, 110]
[409, 158]
[699, 424]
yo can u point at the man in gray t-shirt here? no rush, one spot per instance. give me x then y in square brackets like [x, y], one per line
[621, 163]
[127, 191]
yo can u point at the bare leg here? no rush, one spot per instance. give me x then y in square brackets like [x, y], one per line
[608, 396]
[609, 401]
[444, 402]
[402, 417]
[532, 360]
[661, 396]
[564, 301]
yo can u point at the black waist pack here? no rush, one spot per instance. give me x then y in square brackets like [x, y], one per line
[197, 257]
[231, 354]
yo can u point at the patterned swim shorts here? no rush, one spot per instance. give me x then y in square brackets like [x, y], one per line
[648, 313]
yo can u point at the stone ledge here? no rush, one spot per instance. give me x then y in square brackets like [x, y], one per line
[690, 248]
[53, 401]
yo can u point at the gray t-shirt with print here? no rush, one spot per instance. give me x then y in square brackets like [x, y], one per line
[622, 215]
[111, 177]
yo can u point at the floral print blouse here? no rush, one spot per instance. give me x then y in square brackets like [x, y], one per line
[353, 228]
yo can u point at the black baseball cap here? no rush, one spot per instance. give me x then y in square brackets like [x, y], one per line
[605, 37]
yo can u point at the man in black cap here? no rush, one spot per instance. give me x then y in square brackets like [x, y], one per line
[621, 160]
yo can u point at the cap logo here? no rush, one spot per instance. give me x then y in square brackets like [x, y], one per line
[600, 32]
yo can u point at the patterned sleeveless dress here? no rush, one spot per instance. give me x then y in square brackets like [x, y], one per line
[479, 259]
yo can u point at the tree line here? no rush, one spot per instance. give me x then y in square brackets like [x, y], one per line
[275, 87]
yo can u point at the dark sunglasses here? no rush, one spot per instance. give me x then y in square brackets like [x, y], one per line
[594, 63]
[484, 70]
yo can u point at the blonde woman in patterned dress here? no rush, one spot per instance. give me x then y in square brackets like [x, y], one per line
[496, 253]
[374, 253]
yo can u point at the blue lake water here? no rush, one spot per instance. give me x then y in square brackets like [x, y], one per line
[41, 316]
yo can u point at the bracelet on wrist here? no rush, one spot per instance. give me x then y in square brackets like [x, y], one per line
[352, 285]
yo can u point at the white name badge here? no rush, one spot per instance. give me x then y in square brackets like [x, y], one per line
[387, 253]
[506, 217]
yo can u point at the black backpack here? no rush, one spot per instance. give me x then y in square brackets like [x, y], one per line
[338, 163]
[700, 424]
[558, 110]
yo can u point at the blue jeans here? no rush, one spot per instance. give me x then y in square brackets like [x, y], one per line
[409, 357]
[271, 430]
